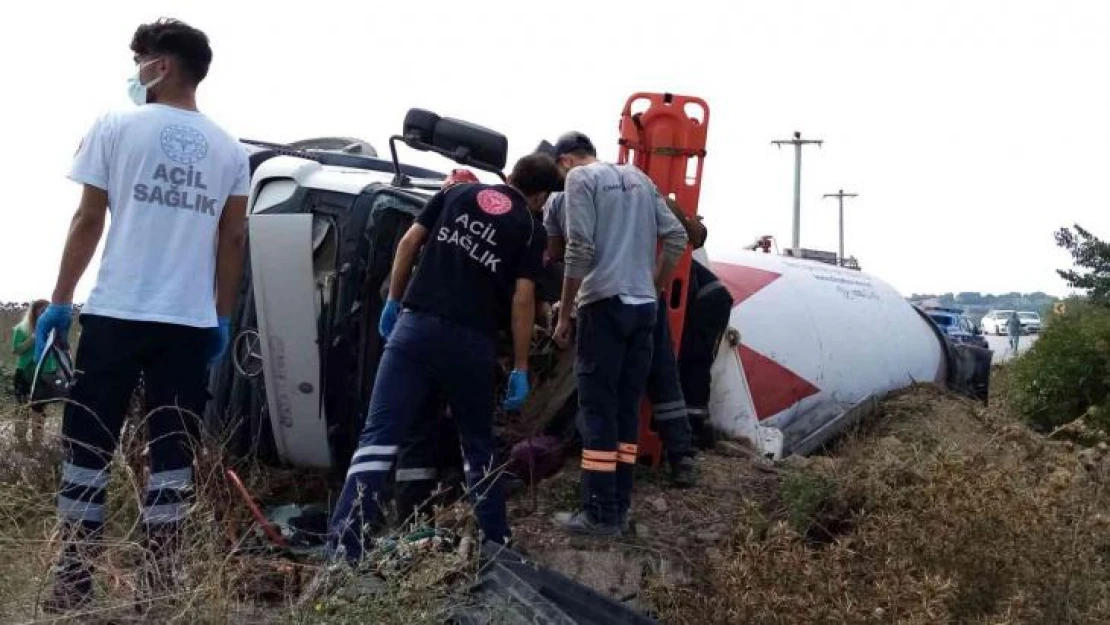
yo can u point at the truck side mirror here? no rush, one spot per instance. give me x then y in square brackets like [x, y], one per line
[465, 143]
[471, 143]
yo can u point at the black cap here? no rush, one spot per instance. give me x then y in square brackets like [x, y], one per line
[545, 147]
[572, 142]
[567, 143]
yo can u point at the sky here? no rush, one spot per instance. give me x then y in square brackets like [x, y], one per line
[971, 130]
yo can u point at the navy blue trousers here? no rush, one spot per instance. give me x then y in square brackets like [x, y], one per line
[111, 356]
[706, 322]
[613, 360]
[429, 456]
[665, 392]
[425, 352]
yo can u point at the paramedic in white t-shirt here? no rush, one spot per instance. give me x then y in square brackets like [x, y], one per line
[175, 185]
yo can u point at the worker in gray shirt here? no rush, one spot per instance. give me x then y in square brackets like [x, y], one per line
[664, 388]
[1013, 328]
[615, 217]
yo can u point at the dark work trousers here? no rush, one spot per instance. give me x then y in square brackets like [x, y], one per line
[614, 356]
[707, 315]
[667, 403]
[111, 354]
[425, 459]
[425, 352]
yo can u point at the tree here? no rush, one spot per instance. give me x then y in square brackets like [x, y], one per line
[1091, 257]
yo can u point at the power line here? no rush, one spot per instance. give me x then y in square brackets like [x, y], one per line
[840, 199]
[797, 142]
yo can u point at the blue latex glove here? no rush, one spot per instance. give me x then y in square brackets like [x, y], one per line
[389, 317]
[518, 390]
[56, 317]
[221, 336]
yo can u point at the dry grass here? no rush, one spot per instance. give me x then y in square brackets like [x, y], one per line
[937, 510]
[213, 563]
[230, 574]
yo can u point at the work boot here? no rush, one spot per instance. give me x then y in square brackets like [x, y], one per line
[581, 524]
[703, 435]
[72, 590]
[683, 473]
[73, 571]
[159, 576]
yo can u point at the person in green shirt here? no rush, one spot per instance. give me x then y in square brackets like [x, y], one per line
[23, 347]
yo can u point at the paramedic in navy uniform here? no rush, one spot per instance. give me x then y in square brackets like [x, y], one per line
[176, 185]
[483, 252]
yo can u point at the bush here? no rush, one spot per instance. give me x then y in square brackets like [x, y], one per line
[1067, 371]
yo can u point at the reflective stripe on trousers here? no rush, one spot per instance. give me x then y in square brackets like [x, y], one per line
[424, 352]
[614, 350]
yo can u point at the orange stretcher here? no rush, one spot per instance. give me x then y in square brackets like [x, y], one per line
[664, 136]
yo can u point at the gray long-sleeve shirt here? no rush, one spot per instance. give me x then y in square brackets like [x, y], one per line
[614, 217]
[554, 215]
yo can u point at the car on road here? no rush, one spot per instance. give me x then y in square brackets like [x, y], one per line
[1030, 322]
[995, 322]
[957, 326]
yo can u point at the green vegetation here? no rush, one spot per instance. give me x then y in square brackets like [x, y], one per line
[1065, 377]
[1066, 374]
[1091, 256]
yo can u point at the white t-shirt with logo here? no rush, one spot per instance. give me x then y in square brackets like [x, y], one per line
[168, 173]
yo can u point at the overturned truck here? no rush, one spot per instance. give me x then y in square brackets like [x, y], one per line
[811, 346]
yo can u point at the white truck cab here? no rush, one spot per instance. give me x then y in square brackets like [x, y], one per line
[322, 226]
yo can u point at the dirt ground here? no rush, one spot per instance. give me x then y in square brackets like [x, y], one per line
[936, 510]
[674, 531]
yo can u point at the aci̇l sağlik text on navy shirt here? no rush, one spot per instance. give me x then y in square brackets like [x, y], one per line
[481, 239]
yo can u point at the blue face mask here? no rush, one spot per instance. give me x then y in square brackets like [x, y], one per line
[136, 90]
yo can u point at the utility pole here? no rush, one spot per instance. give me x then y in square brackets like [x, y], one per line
[840, 198]
[797, 142]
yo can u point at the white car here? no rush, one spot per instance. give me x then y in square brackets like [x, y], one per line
[1030, 322]
[995, 322]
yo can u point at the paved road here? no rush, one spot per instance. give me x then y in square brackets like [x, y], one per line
[1001, 346]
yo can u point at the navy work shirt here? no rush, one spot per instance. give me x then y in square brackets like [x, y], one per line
[481, 239]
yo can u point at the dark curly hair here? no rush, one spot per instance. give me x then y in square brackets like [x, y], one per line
[537, 173]
[170, 37]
